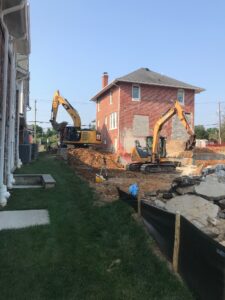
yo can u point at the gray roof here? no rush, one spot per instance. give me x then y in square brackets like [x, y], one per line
[146, 76]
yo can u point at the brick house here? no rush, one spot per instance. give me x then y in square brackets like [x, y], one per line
[128, 107]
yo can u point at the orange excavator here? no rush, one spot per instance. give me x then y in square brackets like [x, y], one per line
[153, 157]
[72, 135]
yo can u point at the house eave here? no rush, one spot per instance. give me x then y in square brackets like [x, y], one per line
[197, 90]
[103, 90]
[15, 14]
[194, 88]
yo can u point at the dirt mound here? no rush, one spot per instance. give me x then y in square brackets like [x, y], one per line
[93, 158]
[88, 162]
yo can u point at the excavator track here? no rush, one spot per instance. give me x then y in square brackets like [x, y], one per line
[134, 167]
[167, 167]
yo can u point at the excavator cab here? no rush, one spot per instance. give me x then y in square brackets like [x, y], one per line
[162, 145]
[72, 134]
[142, 155]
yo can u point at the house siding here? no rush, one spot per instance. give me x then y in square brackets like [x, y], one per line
[10, 80]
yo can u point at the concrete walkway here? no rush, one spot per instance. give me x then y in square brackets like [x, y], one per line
[23, 218]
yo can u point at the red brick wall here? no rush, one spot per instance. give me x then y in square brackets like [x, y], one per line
[154, 102]
[104, 111]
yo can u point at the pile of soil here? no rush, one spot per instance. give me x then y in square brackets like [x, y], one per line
[88, 162]
[93, 158]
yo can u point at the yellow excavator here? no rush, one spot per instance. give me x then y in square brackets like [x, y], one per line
[72, 135]
[152, 158]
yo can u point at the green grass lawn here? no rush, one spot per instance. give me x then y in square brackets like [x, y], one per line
[75, 257]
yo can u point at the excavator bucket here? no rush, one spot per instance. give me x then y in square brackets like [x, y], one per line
[190, 144]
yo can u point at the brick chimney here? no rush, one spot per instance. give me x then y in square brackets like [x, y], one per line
[105, 78]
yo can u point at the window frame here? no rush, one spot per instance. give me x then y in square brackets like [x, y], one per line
[136, 99]
[178, 91]
[113, 121]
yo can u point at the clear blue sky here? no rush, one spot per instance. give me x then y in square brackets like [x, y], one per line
[73, 42]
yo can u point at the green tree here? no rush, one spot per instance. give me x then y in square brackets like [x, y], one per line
[39, 131]
[213, 133]
[201, 132]
[222, 133]
[50, 132]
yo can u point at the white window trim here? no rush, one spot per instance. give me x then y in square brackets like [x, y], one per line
[179, 90]
[98, 104]
[115, 144]
[136, 99]
[111, 121]
[110, 97]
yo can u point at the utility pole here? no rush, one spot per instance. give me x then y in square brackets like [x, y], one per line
[219, 123]
[35, 122]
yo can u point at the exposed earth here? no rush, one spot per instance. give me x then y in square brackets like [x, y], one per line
[87, 163]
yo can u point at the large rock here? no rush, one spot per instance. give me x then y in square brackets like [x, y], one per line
[211, 188]
[194, 208]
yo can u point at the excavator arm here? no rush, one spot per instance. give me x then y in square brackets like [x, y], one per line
[175, 110]
[57, 100]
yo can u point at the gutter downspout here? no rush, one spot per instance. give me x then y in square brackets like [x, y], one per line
[10, 144]
[4, 194]
[18, 161]
[17, 114]
[118, 120]
[20, 105]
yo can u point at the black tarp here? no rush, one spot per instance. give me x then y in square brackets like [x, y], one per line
[201, 259]
[161, 224]
[201, 262]
[127, 198]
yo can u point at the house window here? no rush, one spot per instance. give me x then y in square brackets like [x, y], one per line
[98, 123]
[98, 104]
[180, 96]
[106, 121]
[110, 97]
[113, 120]
[136, 93]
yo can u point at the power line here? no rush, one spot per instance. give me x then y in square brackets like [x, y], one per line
[49, 101]
[38, 122]
[35, 120]
[208, 102]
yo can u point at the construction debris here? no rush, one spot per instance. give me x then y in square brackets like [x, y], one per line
[200, 199]
[211, 188]
[193, 208]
